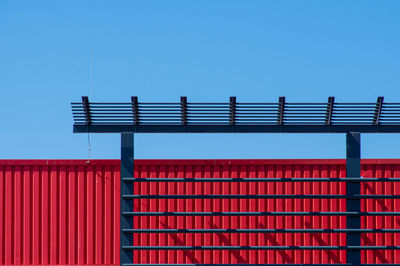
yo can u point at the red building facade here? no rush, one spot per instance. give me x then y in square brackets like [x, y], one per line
[67, 212]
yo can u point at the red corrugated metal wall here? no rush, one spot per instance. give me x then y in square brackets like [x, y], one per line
[67, 211]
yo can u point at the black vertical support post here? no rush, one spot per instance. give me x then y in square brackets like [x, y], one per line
[353, 169]
[126, 256]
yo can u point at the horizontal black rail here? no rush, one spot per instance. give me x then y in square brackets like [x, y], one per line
[132, 231]
[244, 264]
[261, 247]
[286, 196]
[262, 264]
[261, 213]
[272, 179]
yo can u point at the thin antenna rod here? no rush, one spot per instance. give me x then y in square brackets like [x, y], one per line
[90, 97]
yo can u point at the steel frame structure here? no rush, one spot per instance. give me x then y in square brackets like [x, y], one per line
[351, 119]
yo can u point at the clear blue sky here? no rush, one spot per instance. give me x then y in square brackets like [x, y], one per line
[206, 50]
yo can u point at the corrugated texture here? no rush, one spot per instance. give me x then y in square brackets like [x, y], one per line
[387, 222]
[67, 211]
[237, 169]
[59, 212]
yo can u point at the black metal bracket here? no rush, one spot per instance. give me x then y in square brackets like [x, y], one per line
[86, 108]
[232, 110]
[281, 111]
[135, 110]
[378, 111]
[329, 111]
[184, 114]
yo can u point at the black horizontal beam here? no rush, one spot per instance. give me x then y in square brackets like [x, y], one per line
[245, 264]
[261, 213]
[261, 247]
[162, 128]
[261, 231]
[296, 179]
[285, 196]
[263, 264]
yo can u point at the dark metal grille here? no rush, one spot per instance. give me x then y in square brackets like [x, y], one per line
[282, 113]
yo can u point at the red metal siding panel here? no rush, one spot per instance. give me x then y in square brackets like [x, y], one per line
[67, 211]
[59, 212]
[242, 205]
[384, 222]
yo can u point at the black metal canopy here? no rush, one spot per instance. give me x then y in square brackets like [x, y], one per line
[235, 117]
